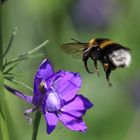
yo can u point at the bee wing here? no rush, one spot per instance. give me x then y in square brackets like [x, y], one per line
[75, 49]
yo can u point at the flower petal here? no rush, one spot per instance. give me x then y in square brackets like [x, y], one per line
[77, 106]
[44, 71]
[51, 121]
[67, 84]
[19, 94]
[73, 123]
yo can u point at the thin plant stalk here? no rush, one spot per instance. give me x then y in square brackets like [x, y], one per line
[3, 106]
[26, 55]
[36, 124]
[10, 42]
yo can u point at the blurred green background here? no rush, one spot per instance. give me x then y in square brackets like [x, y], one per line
[116, 111]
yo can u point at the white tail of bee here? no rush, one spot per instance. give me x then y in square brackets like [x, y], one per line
[120, 58]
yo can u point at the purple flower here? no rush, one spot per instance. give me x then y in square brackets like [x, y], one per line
[55, 94]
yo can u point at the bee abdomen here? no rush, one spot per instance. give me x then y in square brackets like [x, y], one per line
[120, 58]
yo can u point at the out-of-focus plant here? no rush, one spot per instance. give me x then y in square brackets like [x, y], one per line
[54, 94]
[6, 67]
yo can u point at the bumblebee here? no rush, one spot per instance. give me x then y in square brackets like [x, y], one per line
[112, 55]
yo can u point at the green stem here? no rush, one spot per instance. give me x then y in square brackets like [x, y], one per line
[10, 42]
[23, 84]
[36, 125]
[26, 55]
[3, 106]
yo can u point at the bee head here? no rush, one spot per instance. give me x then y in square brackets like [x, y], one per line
[92, 43]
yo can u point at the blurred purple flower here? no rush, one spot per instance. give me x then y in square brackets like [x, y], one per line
[55, 94]
[93, 14]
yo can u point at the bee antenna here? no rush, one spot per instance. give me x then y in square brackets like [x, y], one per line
[75, 40]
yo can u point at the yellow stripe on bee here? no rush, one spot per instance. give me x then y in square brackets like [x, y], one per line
[91, 42]
[106, 43]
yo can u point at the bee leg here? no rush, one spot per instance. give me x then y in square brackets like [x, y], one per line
[76, 40]
[85, 59]
[95, 64]
[107, 77]
[86, 66]
[107, 70]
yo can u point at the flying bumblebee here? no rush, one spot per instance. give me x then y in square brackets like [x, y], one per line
[112, 55]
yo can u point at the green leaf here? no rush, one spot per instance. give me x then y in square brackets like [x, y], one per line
[11, 79]
[9, 69]
[25, 55]
[10, 42]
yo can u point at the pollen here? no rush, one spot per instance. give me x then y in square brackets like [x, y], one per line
[41, 87]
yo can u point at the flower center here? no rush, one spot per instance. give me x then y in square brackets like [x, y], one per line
[53, 102]
[41, 87]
